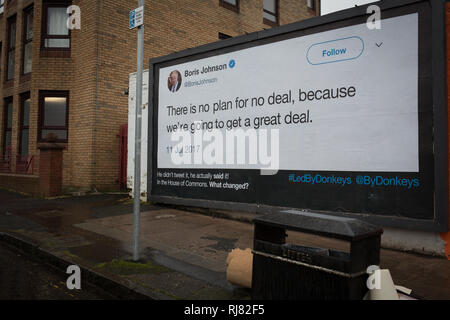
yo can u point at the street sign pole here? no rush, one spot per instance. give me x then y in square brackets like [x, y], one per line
[138, 133]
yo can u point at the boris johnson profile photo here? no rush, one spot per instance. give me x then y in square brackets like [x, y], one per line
[174, 82]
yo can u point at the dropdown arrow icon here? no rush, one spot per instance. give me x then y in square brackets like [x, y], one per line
[379, 44]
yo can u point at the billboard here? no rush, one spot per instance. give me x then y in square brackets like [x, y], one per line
[324, 115]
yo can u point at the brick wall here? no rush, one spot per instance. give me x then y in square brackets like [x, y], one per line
[448, 81]
[171, 25]
[25, 184]
[103, 55]
[50, 169]
[446, 236]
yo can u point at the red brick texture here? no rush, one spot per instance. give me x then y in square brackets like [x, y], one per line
[50, 169]
[22, 183]
[103, 54]
[446, 236]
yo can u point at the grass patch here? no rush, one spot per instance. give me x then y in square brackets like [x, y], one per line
[71, 255]
[124, 267]
[130, 200]
[126, 201]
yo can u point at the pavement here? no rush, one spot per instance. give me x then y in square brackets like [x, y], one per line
[183, 253]
[31, 280]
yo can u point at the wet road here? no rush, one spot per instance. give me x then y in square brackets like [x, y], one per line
[25, 279]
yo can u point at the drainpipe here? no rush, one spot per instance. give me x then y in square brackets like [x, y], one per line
[94, 134]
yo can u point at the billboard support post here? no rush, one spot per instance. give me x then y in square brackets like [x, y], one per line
[138, 133]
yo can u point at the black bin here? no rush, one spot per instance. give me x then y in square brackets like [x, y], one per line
[294, 272]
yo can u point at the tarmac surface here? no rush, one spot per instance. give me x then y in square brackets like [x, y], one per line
[183, 253]
[22, 278]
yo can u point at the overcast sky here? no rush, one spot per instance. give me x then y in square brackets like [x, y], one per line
[328, 6]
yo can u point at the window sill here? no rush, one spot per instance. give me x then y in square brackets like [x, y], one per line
[55, 53]
[8, 84]
[312, 11]
[52, 145]
[229, 6]
[270, 23]
[25, 77]
[57, 143]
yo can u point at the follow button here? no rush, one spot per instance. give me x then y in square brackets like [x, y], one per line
[335, 50]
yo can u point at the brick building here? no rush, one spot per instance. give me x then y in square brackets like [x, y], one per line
[71, 83]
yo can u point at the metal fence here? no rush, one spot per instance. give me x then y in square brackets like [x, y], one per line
[26, 165]
[5, 161]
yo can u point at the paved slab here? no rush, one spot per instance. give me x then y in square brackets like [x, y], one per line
[197, 239]
[206, 241]
[97, 231]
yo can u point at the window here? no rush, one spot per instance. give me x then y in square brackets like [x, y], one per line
[2, 6]
[223, 36]
[310, 4]
[27, 40]
[53, 115]
[55, 34]
[270, 12]
[24, 125]
[11, 3]
[230, 4]
[10, 56]
[7, 125]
